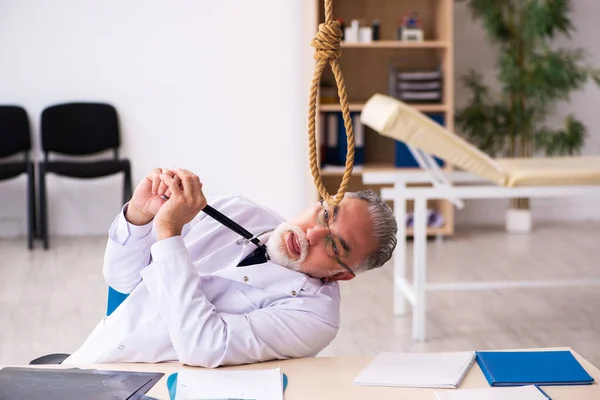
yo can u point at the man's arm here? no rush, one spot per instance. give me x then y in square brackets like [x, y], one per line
[199, 334]
[203, 337]
[127, 252]
[128, 249]
[131, 234]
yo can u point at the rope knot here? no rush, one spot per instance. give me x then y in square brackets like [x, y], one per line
[327, 41]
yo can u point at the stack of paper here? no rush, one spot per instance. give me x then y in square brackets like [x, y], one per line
[230, 384]
[422, 370]
[504, 393]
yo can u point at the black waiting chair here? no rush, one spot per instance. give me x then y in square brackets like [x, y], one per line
[15, 138]
[80, 129]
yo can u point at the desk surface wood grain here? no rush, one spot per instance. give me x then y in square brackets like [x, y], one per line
[331, 378]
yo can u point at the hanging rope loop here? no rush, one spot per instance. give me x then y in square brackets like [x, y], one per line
[327, 44]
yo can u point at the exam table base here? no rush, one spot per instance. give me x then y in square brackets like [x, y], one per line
[415, 293]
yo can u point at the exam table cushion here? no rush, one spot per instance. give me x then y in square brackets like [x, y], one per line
[397, 120]
[402, 122]
[551, 171]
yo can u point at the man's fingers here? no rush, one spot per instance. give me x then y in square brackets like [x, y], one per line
[162, 188]
[153, 177]
[190, 182]
[186, 184]
[173, 183]
[155, 184]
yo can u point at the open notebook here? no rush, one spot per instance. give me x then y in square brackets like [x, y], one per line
[421, 370]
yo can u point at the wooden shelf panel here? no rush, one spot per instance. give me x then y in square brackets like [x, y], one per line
[335, 170]
[445, 230]
[337, 107]
[432, 15]
[358, 106]
[398, 44]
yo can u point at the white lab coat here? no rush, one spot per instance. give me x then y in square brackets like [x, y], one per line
[189, 302]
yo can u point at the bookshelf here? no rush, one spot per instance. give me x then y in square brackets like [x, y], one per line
[366, 70]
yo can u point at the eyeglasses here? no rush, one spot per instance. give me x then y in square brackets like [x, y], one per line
[331, 247]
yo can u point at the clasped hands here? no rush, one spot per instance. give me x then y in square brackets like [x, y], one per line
[184, 200]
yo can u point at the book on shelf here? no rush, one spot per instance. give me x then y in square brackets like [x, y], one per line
[334, 142]
[334, 145]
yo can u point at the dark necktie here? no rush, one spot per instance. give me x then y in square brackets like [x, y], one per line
[258, 256]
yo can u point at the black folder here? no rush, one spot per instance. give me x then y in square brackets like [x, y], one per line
[74, 383]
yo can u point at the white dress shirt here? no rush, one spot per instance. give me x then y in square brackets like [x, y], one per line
[189, 302]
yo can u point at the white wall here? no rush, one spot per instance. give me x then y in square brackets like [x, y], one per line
[189, 78]
[473, 51]
[183, 73]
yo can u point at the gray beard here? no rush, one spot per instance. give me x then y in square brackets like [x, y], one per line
[277, 249]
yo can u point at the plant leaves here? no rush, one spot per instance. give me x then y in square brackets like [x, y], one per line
[560, 142]
[533, 77]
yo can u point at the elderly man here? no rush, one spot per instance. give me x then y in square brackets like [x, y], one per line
[200, 294]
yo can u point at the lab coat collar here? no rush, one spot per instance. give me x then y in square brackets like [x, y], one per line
[223, 261]
[269, 275]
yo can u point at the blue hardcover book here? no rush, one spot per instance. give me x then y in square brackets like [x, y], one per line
[403, 156]
[332, 156]
[545, 368]
[359, 139]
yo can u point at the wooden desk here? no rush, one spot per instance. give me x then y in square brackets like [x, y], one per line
[331, 378]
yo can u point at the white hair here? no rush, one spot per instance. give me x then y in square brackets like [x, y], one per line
[384, 227]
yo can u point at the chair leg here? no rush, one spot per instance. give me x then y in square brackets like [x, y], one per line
[127, 185]
[31, 214]
[43, 207]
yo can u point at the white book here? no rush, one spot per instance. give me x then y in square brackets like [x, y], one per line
[332, 130]
[230, 384]
[359, 131]
[419, 370]
[493, 393]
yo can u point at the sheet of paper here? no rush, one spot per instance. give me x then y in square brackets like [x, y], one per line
[492, 393]
[428, 370]
[224, 384]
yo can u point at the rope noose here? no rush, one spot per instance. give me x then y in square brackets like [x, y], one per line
[328, 50]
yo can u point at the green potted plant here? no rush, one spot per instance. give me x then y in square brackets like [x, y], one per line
[533, 76]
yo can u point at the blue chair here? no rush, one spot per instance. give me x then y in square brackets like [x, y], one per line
[114, 299]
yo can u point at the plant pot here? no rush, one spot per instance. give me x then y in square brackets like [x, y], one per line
[518, 220]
